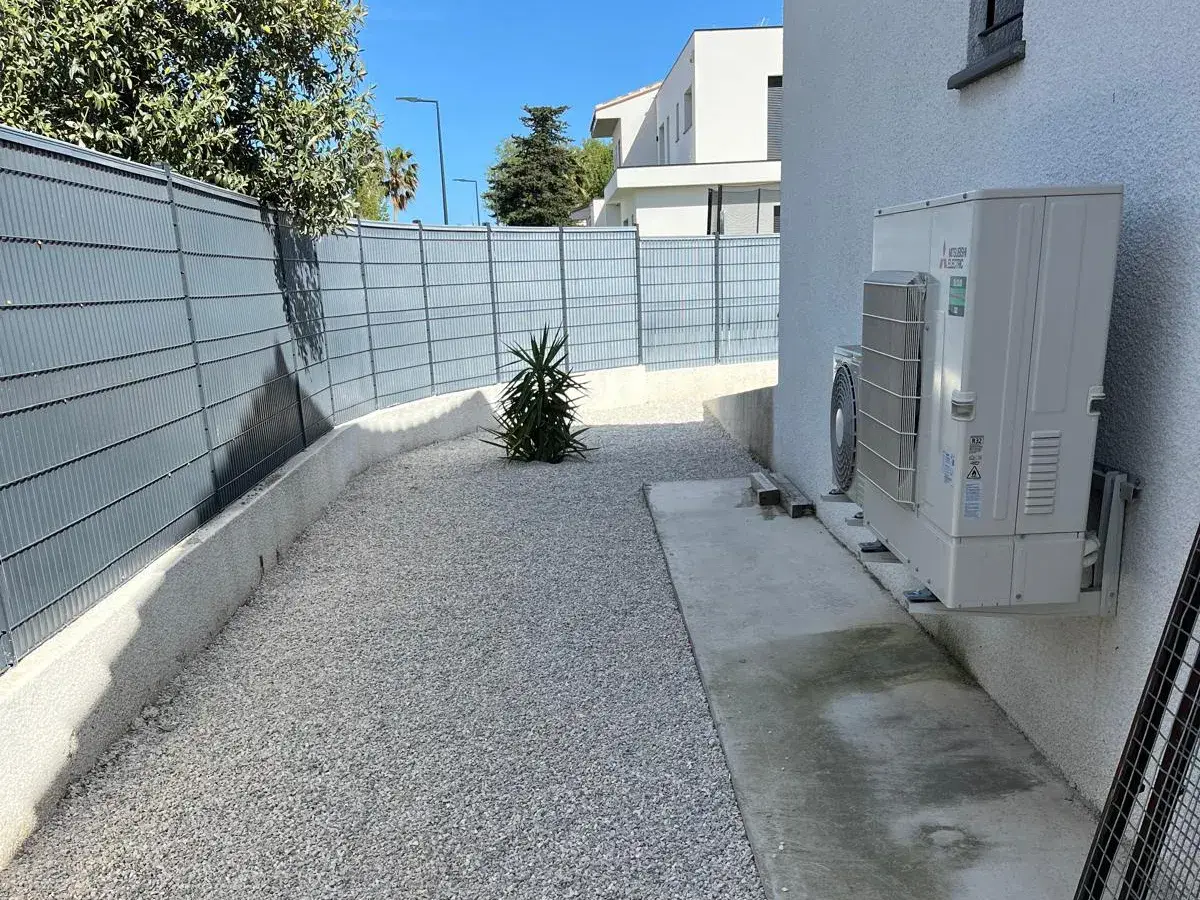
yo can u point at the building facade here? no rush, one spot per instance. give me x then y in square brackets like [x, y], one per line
[698, 152]
[888, 104]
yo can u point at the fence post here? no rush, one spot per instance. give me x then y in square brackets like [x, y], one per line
[495, 310]
[637, 262]
[362, 272]
[562, 276]
[191, 320]
[425, 301]
[717, 297]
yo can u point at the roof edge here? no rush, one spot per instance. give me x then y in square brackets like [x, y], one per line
[636, 93]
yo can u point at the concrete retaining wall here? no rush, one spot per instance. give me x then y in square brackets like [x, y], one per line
[64, 704]
[749, 418]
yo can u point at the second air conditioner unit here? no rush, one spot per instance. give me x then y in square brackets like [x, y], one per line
[843, 421]
[985, 326]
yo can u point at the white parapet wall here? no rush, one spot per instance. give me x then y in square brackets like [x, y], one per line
[749, 418]
[65, 703]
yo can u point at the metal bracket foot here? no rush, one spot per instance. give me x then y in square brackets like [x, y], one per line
[924, 595]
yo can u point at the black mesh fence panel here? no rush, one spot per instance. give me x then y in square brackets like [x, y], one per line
[1147, 846]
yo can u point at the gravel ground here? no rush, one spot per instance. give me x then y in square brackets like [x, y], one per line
[468, 680]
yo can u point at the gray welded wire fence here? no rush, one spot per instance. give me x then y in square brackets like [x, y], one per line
[165, 344]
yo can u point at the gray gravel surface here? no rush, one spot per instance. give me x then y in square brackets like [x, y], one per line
[469, 679]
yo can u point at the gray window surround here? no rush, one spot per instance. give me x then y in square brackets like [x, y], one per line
[995, 40]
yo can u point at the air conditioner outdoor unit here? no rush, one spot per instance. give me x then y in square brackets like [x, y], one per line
[843, 421]
[984, 331]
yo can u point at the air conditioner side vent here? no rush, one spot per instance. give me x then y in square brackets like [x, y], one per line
[1041, 473]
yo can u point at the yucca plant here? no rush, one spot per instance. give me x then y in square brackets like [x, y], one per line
[536, 421]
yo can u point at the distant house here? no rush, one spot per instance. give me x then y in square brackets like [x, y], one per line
[698, 152]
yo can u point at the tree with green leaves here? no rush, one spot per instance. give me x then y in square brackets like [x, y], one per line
[370, 197]
[261, 96]
[401, 179]
[594, 164]
[536, 184]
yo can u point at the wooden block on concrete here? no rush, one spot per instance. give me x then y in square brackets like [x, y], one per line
[794, 501]
[766, 489]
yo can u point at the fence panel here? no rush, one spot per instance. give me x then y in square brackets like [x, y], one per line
[244, 339]
[749, 278]
[304, 308]
[165, 344]
[393, 273]
[678, 301]
[103, 459]
[529, 286]
[460, 308]
[347, 338]
[600, 272]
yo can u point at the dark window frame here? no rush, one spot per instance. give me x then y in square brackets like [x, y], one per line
[774, 123]
[995, 40]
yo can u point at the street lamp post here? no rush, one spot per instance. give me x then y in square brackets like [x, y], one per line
[478, 217]
[441, 156]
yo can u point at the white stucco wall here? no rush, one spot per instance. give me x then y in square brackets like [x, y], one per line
[1109, 93]
[669, 212]
[669, 105]
[732, 67]
[635, 132]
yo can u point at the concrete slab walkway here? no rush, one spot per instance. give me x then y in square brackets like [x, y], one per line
[867, 765]
[470, 679]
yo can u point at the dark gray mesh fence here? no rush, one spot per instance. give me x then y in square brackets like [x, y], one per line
[1147, 846]
[165, 344]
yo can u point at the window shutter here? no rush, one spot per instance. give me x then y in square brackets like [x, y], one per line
[775, 117]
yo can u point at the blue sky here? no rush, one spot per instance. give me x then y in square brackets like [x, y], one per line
[484, 60]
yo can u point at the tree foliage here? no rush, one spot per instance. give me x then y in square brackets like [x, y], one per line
[370, 197]
[535, 183]
[261, 96]
[402, 177]
[594, 164]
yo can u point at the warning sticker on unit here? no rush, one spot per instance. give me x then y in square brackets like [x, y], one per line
[948, 463]
[973, 500]
[958, 296]
[973, 474]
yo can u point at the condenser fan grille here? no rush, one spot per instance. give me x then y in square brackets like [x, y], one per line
[843, 439]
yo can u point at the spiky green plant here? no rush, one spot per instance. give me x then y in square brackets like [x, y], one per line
[536, 420]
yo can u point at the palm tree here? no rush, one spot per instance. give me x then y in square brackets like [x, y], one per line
[401, 179]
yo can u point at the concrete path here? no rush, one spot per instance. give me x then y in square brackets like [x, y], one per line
[470, 679]
[866, 764]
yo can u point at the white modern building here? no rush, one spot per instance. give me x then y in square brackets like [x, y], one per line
[702, 146]
[889, 104]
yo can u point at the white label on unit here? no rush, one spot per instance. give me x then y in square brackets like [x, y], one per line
[973, 500]
[948, 463]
